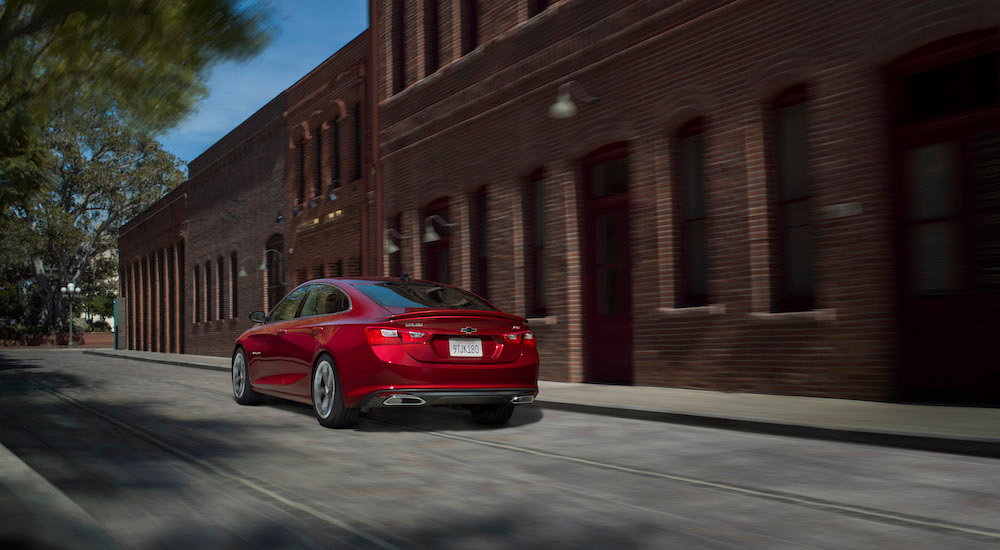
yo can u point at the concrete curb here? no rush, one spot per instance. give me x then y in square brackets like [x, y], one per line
[160, 361]
[923, 442]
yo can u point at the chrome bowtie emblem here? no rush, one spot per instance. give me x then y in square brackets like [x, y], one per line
[467, 330]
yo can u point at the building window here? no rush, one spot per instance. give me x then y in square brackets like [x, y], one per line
[431, 38]
[791, 229]
[302, 171]
[436, 253]
[357, 140]
[398, 47]
[319, 161]
[197, 293]
[339, 270]
[689, 215]
[536, 7]
[336, 153]
[233, 290]
[275, 264]
[534, 233]
[480, 243]
[209, 292]
[222, 287]
[470, 25]
[396, 258]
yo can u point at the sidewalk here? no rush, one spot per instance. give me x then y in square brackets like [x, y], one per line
[38, 515]
[963, 430]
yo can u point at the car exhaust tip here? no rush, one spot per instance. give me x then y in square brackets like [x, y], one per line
[523, 399]
[403, 401]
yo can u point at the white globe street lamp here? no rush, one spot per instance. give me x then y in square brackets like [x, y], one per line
[68, 292]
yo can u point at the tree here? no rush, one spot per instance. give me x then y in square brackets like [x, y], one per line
[145, 59]
[104, 172]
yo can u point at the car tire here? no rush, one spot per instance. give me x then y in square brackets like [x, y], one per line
[492, 415]
[242, 392]
[327, 398]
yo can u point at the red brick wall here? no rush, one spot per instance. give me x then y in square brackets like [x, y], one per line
[331, 231]
[150, 237]
[236, 193]
[482, 119]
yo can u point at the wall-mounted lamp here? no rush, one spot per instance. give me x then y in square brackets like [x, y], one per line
[263, 265]
[430, 235]
[331, 196]
[312, 202]
[564, 106]
[296, 210]
[391, 247]
[280, 218]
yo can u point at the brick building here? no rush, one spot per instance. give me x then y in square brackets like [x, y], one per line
[788, 197]
[327, 180]
[777, 197]
[238, 221]
[151, 278]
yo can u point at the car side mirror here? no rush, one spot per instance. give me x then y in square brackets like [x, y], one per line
[258, 317]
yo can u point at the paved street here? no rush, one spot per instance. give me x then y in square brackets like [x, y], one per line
[161, 457]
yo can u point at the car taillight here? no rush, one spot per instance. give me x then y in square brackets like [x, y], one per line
[378, 336]
[526, 338]
[414, 337]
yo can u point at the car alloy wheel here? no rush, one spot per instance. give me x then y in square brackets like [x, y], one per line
[242, 392]
[328, 402]
[324, 389]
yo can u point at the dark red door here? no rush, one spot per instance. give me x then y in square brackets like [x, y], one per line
[947, 158]
[607, 277]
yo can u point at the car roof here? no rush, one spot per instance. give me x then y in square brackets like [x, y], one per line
[356, 281]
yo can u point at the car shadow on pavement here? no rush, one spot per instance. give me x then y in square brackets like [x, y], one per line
[419, 418]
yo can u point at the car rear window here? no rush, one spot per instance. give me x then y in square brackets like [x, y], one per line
[423, 296]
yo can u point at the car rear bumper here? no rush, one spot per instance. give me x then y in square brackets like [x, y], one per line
[422, 397]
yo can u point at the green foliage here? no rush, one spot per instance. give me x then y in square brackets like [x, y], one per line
[103, 172]
[102, 304]
[146, 60]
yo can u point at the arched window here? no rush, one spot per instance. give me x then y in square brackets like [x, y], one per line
[220, 267]
[197, 293]
[275, 264]
[233, 279]
[209, 291]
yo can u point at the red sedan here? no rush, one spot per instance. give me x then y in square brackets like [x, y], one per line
[347, 345]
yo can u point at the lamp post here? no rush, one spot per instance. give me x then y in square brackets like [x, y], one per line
[430, 235]
[68, 292]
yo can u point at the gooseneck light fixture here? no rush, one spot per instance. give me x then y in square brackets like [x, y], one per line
[69, 292]
[391, 247]
[430, 235]
[263, 265]
[564, 106]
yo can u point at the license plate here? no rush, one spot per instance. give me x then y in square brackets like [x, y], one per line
[465, 347]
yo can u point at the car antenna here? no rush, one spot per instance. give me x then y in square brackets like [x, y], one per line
[405, 277]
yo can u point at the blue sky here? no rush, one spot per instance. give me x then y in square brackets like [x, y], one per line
[306, 33]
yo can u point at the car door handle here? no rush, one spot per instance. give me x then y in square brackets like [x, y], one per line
[281, 331]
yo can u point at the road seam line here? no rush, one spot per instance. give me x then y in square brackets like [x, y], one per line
[805, 501]
[157, 441]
